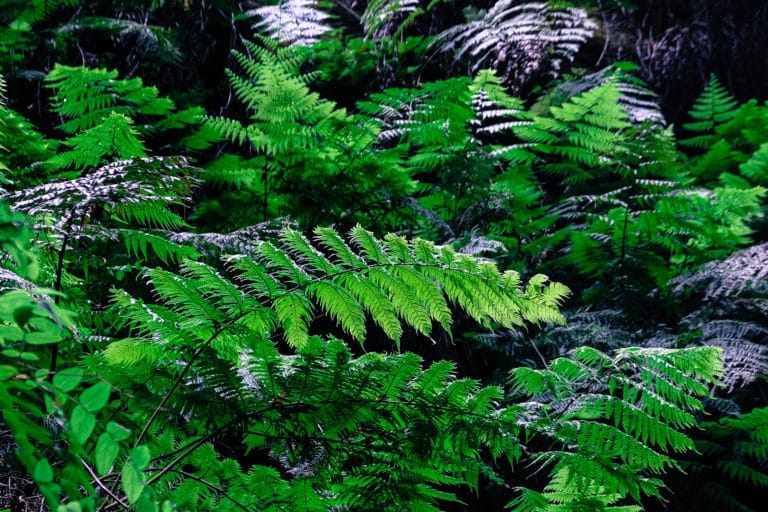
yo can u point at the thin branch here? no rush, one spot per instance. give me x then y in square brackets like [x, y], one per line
[102, 485]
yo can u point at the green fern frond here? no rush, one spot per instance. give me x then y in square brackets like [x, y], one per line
[113, 138]
[734, 451]
[756, 168]
[86, 97]
[310, 158]
[713, 108]
[616, 418]
[388, 279]
[139, 243]
[22, 165]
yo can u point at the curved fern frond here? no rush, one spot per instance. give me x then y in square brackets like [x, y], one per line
[114, 138]
[120, 186]
[637, 100]
[389, 281]
[85, 97]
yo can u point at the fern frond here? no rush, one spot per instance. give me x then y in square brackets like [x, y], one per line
[86, 97]
[106, 205]
[112, 139]
[299, 22]
[616, 417]
[713, 108]
[389, 18]
[138, 243]
[510, 34]
[384, 279]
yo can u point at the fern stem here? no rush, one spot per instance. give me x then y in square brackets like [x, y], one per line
[624, 238]
[57, 287]
[181, 376]
[168, 394]
[265, 179]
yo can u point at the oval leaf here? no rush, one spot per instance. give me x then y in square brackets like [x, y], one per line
[132, 483]
[95, 397]
[82, 423]
[106, 452]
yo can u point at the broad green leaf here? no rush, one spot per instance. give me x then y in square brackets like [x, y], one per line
[42, 338]
[146, 504]
[67, 380]
[140, 456]
[117, 431]
[11, 333]
[82, 423]
[43, 473]
[95, 397]
[6, 372]
[132, 483]
[29, 356]
[106, 452]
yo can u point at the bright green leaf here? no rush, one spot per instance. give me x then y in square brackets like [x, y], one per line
[140, 456]
[132, 483]
[82, 423]
[95, 397]
[67, 380]
[43, 473]
[118, 432]
[106, 452]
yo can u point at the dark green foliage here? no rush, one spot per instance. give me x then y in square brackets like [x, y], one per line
[310, 159]
[22, 149]
[734, 450]
[203, 345]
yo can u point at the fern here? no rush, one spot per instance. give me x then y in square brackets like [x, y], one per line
[636, 99]
[316, 410]
[713, 108]
[583, 131]
[383, 18]
[87, 98]
[614, 421]
[123, 202]
[148, 41]
[730, 469]
[112, 139]
[299, 22]
[124, 184]
[311, 158]
[731, 297]
[392, 279]
[23, 148]
[511, 37]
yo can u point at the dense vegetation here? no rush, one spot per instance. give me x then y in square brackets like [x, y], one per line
[396, 255]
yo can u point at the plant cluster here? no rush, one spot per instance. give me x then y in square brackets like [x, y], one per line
[287, 297]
